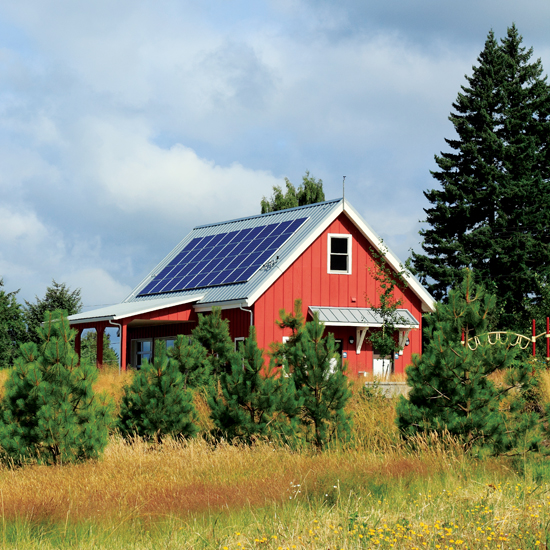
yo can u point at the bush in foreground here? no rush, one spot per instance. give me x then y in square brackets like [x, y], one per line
[156, 403]
[49, 412]
[451, 389]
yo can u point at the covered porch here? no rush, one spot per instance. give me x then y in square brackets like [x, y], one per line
[350, 326]
[141, 321]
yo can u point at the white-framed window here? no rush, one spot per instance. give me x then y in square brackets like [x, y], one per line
[339, 253]
[237, 340]
[141, 350]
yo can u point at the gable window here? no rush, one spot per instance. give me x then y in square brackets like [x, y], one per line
[339, 253]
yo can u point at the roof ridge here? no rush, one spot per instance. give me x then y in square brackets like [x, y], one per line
[305, 206]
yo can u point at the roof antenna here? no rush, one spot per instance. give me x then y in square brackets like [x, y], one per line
[344, 189]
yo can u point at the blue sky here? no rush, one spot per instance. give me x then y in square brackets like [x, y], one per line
[125, 123]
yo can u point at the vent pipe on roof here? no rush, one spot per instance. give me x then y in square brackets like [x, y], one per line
[344, 189]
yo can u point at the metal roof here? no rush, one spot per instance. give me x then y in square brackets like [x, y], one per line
[361, 317]
[319, 216]
[129, 309]
[316, 214]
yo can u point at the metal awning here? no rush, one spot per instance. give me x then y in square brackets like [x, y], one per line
[129, 309]
[361, 317]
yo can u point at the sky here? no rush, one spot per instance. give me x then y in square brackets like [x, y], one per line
[125, 123]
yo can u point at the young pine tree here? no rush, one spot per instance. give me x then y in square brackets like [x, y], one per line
[254, 403]
[156, 404]
[318, 374]
[192, 362]
[450, 385]
[212, 332]
[49, 411]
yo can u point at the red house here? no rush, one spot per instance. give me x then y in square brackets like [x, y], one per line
[252, 268]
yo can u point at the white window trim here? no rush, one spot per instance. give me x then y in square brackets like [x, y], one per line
[350, 242]
[237, 340]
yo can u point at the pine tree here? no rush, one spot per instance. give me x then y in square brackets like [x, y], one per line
[156, 404]
[58, 297]
[192, 362]
[309, 192]
[450, 385]
[12, 327]
[318, 374]
[212, 332]
[491, 213]
[254, 402]
[50, 412]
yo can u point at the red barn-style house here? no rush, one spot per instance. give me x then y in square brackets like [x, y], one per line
[252, 268]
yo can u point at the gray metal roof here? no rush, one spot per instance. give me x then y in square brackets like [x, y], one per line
[316, 214]
[361, 317]
[129, 309]
[318, 217]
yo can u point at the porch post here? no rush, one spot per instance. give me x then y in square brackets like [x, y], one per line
[123, 345]
[100, 331]
[78, 341]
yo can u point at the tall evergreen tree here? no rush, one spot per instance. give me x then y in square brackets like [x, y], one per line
[254, 402]
[50, 412]
[310, 191]
[491, 212]
[156, 404]
[58, 297]
[88, 350]
[451, 388]
[12, 327]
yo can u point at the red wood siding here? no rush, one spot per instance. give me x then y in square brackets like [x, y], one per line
[307, 279]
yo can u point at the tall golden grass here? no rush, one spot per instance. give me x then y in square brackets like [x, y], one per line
[194, 494]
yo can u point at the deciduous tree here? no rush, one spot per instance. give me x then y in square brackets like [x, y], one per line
[309, 192]
[12, 326]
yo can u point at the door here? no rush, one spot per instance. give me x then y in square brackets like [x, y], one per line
[382, 367]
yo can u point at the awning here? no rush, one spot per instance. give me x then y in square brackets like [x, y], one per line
[364, 318]
[129, 309]
[361, 317]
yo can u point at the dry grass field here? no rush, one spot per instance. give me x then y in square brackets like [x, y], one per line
[373, 492]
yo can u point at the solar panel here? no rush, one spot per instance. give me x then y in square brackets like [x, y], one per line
[224, 258]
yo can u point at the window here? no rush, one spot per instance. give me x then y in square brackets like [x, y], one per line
[339, 253]
[141, 350]
[237, 340]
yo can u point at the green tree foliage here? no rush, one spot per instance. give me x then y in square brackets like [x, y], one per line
[156, 403]
[255, 402]
[12, 326]
[50, 412]
[58, 297]
[491, 212]
[309, 192]
[192, 361]
[88, 349]
[450, 385]
[212, 332]
[318, 374]
[387, 280]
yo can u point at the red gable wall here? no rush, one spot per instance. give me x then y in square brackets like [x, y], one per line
[307, 279]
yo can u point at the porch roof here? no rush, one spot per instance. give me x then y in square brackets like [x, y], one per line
[129, 309]
[361, 317]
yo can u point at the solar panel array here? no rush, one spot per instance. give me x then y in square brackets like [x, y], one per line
[231, 257]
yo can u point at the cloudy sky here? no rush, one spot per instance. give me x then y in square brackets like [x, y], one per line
[124, 123]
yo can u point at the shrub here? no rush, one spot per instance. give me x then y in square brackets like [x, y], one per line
[49, 411]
